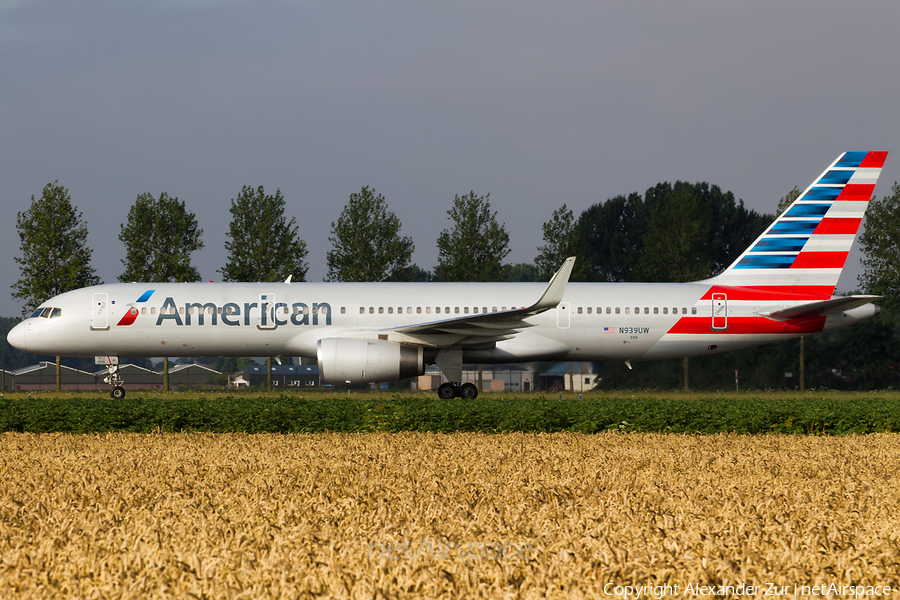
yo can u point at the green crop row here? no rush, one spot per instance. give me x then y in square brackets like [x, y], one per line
[831, 415]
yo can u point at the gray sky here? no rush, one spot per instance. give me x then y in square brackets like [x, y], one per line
[538, 103]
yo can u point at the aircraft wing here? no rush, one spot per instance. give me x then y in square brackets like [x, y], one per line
[824, 307]
[493, 326]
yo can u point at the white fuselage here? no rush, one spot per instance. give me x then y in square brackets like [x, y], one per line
[594, 322]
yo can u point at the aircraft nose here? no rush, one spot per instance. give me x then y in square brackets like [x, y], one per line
[16, 337]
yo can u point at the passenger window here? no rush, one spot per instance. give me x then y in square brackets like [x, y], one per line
[693, 310]
[504, 308]
[456, 309]
[617, 310]
[409, 310]
[475, 310]
[608, 308]
[418, 310]
[362, 310]
[655, 310]
[627, 310]
[493, 309]
[589, 310]
[390, 310]
[466, 309]
[579, 310]
[144, 310]
[683, 310]
[343, 310]
[427, 310]
[371, 310]
[152, 310]
[181, 310]
[665, 310]
[380, 310]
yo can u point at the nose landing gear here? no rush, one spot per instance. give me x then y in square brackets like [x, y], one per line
[112, 377]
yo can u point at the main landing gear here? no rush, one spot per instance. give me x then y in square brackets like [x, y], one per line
[446, 391]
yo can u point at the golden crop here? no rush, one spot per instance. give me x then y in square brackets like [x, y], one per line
[457, 516]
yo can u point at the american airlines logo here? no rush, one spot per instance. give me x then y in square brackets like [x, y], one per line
[232, 314]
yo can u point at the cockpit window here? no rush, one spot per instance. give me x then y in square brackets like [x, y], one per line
[47, 312]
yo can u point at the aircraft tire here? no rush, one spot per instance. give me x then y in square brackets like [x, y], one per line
[447, 391]
[469, 391]
[117, 392]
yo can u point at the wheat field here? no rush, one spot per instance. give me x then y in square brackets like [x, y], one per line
[451, 516]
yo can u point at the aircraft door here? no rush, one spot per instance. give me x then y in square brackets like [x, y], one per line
[563, 315]
[100, 312]
[267, 308]
[719, 311]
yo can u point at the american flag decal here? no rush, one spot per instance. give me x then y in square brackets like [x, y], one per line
[609, 330]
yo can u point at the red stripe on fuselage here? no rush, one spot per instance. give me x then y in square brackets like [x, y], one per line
[748, 325]
[838, 226]
[873, 160]
[820, 260]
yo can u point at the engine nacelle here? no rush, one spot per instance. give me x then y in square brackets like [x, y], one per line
[361, 360]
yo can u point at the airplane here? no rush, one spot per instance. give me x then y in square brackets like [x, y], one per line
[781, 287]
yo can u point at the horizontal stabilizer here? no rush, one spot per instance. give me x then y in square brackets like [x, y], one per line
[824, 307]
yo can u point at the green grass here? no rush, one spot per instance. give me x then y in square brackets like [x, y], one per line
[829, 413]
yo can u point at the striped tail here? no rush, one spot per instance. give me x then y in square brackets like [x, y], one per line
[804, 250]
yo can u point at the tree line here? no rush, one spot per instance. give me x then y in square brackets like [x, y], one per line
[673, 232]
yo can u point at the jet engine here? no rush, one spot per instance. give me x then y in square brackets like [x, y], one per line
[361, 360]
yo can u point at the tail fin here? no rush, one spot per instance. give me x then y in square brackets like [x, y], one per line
[804, 250]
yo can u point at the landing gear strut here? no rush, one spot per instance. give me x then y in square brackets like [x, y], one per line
[118, 391]
[446, 391]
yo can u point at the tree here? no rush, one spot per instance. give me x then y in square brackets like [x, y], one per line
[521, 272]
[560, 242]
[159, 239]
[474, 249]
[674, 233]
[413, 273]
[787, 200]
[367, 245]
[263, 245]
[676, 244]
[55, 255]
[880, 242]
